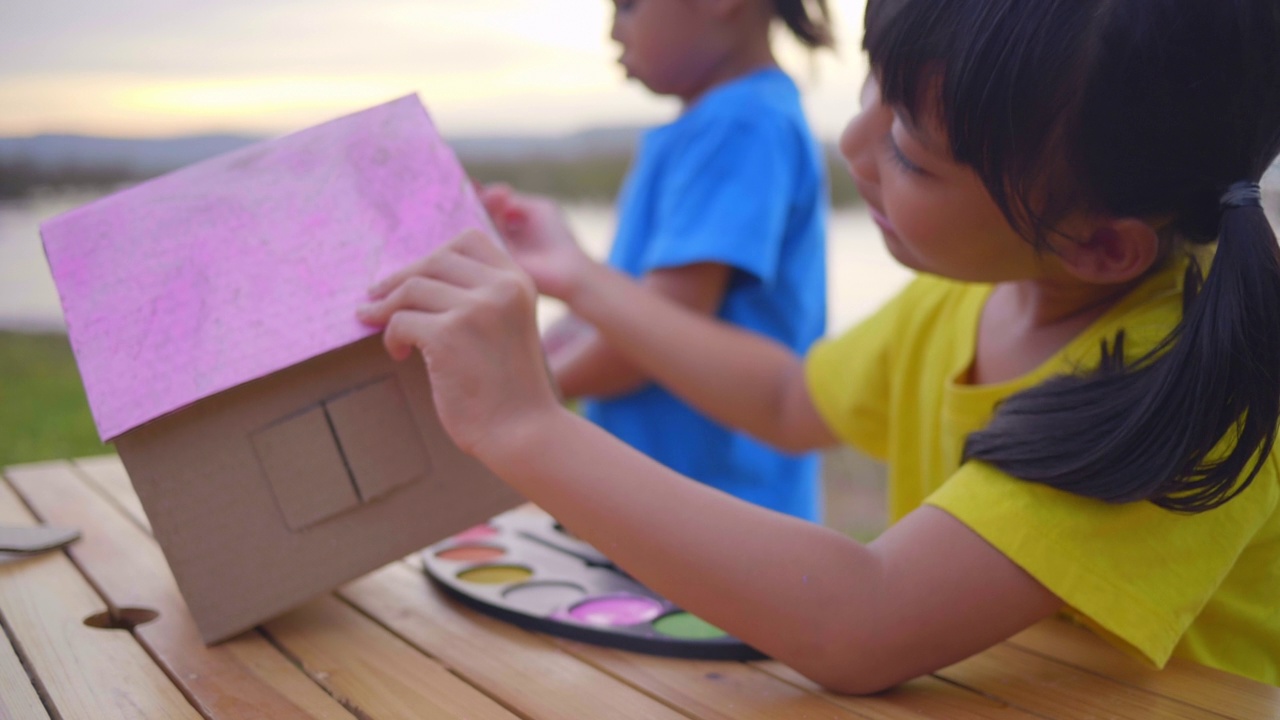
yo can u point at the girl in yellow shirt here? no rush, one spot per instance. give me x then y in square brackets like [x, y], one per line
[1077, 412]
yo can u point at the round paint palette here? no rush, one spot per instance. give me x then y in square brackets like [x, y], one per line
[522, 567]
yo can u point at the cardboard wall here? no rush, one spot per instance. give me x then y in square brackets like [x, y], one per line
[283, 488]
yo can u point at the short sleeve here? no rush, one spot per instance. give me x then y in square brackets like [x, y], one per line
[850, 377]
[726, 196]
[1138, 572]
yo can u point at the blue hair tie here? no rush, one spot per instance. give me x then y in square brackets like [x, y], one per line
[1242, 194]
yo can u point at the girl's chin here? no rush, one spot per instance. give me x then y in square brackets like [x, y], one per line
[899, 251]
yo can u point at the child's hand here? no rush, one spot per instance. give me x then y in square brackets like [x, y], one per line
[470, 310]
[538, 237]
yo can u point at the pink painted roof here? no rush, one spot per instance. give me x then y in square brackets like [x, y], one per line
[248, 263]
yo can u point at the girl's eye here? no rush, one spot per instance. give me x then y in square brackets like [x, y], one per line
[900, 157]
[623, 5]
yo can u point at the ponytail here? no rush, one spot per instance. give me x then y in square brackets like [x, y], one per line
[1150, 429]
[813, 29]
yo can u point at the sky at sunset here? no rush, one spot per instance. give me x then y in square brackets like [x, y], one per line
[137, 68]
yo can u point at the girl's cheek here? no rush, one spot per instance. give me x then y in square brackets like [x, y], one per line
[912, 215]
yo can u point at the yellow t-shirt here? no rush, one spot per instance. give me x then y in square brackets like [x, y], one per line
[1204, 587]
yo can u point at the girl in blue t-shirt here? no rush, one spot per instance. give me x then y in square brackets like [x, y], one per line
[1049, 168]
[724, 212]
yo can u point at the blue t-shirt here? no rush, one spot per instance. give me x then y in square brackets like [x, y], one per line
[739, 180]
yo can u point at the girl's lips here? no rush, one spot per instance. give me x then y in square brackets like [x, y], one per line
[881, 220]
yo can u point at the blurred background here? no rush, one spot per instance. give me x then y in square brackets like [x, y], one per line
[96, 96]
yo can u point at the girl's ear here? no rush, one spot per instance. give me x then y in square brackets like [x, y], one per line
[1116, 251]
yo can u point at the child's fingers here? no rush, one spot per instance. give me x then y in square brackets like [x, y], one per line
[495, 198]
[513, 221]
[461, 266]
[391, 282]
[424, 266]
[439, 281]
[495, 190]
[486, 251]
[417, 293]
[406, 331]
[507, 209]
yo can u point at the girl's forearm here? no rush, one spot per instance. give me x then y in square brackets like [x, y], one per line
[590, 368]
[737, 377]
[793, 589]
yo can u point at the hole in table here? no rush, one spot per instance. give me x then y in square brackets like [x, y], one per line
[121, 619]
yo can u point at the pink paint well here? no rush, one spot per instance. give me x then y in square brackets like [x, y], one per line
[478, 532]
[616, 610]
[471, 553]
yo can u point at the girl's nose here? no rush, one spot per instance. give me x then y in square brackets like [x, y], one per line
[858, 144]
[866, 130]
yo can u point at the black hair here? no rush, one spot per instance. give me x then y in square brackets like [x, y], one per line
[1134, 108]
[808, 20]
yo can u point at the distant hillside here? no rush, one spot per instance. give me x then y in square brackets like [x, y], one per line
[596, 142]
[151, 156]
[587, 165]
[140, 157]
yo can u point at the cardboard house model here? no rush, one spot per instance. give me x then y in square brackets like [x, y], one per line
[276, 448]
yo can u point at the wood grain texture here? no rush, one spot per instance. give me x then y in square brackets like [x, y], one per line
[389, 646]
[522, 669]
[107, 474]
[364, 691]
[373, 672]
[1055, 690]
[19, 699]
[924, 697]
[243, 678]
[86, 672]
[1229, 695]
[709, 689]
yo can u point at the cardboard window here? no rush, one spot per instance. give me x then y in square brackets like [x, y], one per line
[305, 469]
[378, 437]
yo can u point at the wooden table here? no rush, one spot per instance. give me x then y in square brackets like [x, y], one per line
[390, 646]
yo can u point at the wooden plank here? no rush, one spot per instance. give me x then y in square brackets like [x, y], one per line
[1054, 690]
[361, 690]
[1032, 671]
[19, 699]
[924, 697]
[373, 672]
[108, 475]
[85, 672]
[521, 669]
[243, 678]
[1204, 687]
[716, 689]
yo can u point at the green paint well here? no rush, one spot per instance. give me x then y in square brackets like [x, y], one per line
[687, 627]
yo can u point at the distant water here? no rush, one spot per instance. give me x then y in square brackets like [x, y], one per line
[28, 300]
[861, 274]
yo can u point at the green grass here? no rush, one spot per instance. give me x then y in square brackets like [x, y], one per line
[43, 411]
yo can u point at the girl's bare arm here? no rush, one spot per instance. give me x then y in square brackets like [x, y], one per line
[588, 366]
[739, 378]
[854, 618]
